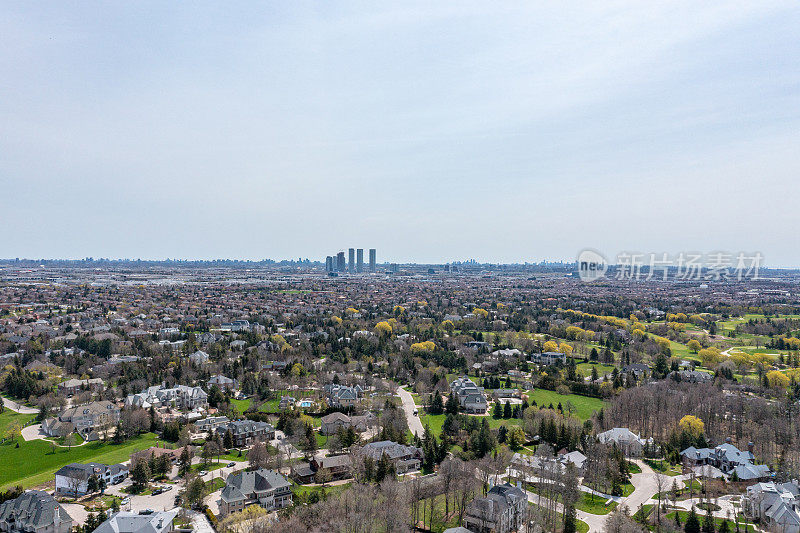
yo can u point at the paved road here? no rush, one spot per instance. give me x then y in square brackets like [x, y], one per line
[409, 406]
[14, 406]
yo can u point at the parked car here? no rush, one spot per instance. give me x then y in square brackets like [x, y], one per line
[126, 501]
[203, 472]
[231, 465]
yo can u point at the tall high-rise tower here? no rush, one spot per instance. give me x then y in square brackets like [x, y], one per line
[329, 264]
[340, 264]
[360, 260]
[351, 263]
[372, 259]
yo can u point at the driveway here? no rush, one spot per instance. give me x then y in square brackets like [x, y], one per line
[14, 406]
[33, 432]
[414, 423]
[200, 523]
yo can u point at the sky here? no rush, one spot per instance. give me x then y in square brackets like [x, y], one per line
[432, 131]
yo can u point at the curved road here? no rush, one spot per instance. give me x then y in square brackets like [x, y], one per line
[414, 423]
[14, 406]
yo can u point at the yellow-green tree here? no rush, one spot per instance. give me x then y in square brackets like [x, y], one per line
[692, 425]
[694, 345]
[777, 379]
[383, 328]
[550, 346]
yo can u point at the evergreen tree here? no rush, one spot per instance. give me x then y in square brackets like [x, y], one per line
[692, 523]
[507, 410]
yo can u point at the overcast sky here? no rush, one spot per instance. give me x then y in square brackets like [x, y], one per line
[437, 131]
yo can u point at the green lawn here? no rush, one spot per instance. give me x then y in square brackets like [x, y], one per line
[241, 405]
[670, 517]
[7, 417]
[585, 369]
[584, 405]
[596, 506]
[34, 462]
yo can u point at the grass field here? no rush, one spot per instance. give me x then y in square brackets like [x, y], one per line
[584, 405]
[34, 462]
[670, 517]
[594, 506]
[8, 417]
[585, 369]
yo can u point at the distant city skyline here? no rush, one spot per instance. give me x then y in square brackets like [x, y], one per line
[507, 134]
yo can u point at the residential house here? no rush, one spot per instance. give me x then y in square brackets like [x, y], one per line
[155, 451]
[505, 393]
[774, 506]
[629, 442]
[502, 510]
[34, 511]
[74, 386]
[549, 358]
[729, 459]
[88, 420]
[404, 458]
[182, 397]
[224, 383]
[129, 522]
[73, 479]
[470, 396]
[336, 467]
[246, 432]
[199, 357]
[341, 396]
[211, 423]
[261, 487]
[332, 422]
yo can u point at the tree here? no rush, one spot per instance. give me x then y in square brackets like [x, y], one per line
[227, 441]
[258, 456]
[694, 345]
[692, 523]
[140, 475]
[708, 523]
[452, 404]
[92, 484]
[13, 431]
[195, 491]
[516, 438]
[70, 440]
[692, 425]
[184, 462]
[497, 411]
[507, 410]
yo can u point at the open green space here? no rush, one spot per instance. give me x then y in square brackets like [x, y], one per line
[35, 462]
[594, 505]
[584, 405]
[670, 517]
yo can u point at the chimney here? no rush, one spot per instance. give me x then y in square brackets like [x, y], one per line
[750, 446]
[727, 440]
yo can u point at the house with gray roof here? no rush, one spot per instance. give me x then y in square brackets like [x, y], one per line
[729, 459]
[502, 510]
[73, 479]
[88, 420]
[128, 522]
[470, 397]
[404, 458]
[774, 506]
[34, 512]
[246, 432]
[261, 487]
[341, 396]
[626, 440]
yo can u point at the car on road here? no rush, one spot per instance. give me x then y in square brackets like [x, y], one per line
[231, 465]
[157, 491]
[203, 472]
[416, 413]
[125, 501]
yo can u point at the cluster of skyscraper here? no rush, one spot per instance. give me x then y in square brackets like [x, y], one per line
[355, 264]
